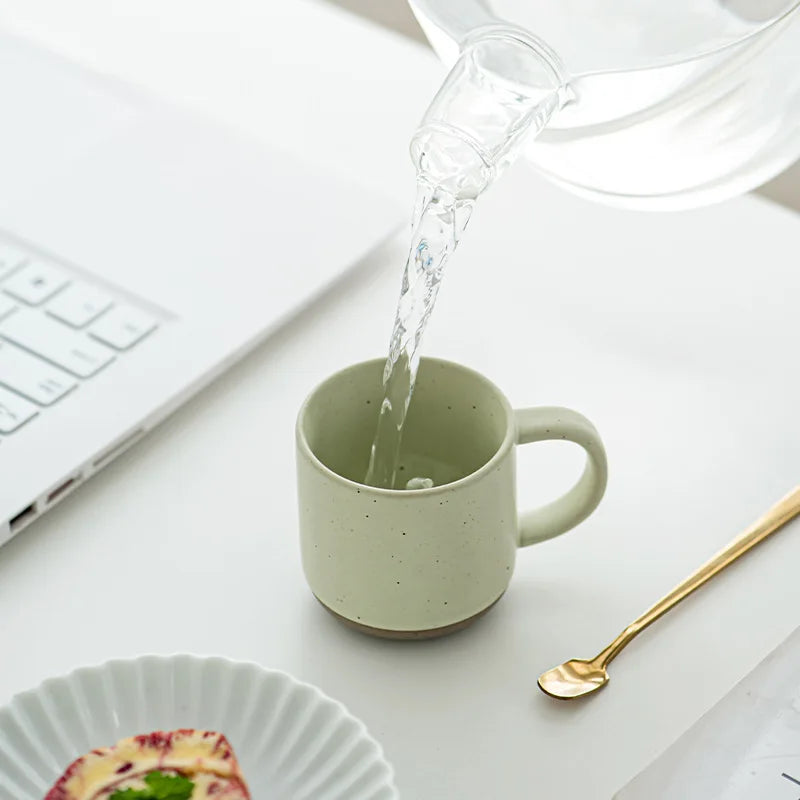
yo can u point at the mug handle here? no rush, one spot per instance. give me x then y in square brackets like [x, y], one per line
[550, 422]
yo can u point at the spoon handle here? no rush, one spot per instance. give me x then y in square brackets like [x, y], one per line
[777, 516]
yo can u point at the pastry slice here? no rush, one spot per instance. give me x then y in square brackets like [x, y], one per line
[180, 765]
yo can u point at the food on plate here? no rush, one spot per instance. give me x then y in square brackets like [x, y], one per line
[186, 764]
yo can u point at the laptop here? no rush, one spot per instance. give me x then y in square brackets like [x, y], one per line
[143, 249]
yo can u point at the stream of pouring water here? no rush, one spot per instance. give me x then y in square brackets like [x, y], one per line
[439, 220]
[502, 90]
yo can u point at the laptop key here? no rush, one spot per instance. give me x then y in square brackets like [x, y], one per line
[14, 411]
[122, 327]
[7, 305]
[10, 258]
[56, 343]
[78, 305]
[35, 282]
[31, 377]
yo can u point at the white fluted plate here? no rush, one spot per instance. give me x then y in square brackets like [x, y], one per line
[293, 742]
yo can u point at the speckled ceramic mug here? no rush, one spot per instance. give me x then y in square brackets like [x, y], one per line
[421, 563]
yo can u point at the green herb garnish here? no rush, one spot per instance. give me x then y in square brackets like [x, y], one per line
[159, 787]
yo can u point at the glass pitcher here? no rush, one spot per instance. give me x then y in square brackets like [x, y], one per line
[640, 103]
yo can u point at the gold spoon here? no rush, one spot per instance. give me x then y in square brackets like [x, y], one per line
[580, 677]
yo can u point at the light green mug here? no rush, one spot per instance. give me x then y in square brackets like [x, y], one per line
[425, 562]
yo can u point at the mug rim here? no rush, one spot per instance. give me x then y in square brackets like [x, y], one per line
[497, 456]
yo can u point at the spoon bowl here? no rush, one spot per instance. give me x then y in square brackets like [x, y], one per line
[573, 679]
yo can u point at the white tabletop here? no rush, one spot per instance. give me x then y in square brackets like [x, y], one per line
[676, 334]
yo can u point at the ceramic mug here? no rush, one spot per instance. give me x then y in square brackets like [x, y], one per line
[424, 562]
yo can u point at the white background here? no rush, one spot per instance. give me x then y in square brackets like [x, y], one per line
[676, 334]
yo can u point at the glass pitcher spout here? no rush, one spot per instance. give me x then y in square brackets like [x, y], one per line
[669, 105]
[501, 92]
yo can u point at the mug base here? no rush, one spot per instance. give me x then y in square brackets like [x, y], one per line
[428, 633]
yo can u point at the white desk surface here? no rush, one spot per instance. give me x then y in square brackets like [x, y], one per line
[676, 334]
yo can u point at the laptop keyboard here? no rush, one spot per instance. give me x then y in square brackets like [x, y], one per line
[56, 331]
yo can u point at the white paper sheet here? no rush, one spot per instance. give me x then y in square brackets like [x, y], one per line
[745, 748]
